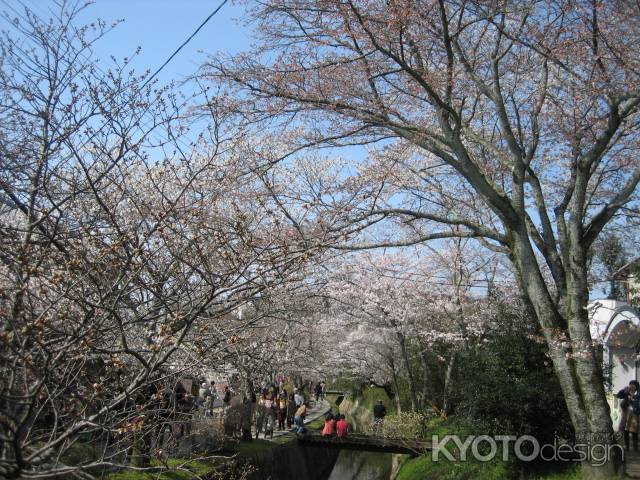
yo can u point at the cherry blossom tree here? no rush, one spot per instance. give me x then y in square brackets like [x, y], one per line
[125, 240]
[399, 314]
[513, 124]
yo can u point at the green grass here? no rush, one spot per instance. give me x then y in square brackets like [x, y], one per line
[371, 395]
[80, 452]
[571, 474]
[317, 424]
[282, 439]
[182, 469]
[257, 445]
[449, 426]
[185, 469]
[332, 400]
[422, 468]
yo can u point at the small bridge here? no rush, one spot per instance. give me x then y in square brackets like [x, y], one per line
[340, 395]
[367, 443]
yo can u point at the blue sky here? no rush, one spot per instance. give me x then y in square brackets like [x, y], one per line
[159, 27]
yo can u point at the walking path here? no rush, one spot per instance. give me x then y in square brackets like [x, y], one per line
[319, 409]
[632, 464]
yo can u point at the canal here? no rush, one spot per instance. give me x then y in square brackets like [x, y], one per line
[356, 465]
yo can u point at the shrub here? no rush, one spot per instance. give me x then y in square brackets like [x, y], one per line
[506, 383]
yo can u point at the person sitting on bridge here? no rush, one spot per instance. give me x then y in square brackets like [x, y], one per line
[329, 426]
[342, 427]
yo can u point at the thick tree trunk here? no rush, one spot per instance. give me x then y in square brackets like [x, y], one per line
[587, 367]
[245, 421]
[425, 379]
[424, 358]
[572, 352]
[407, 366]
[246, 415]
[448, 380]
[396, 386]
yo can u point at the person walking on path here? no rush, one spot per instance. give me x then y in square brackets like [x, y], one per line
[210, 400]
[226, 400]
[281, 410]
[630, 396]
[207, 397]
[379, 412]
[291, 410]
[270, 414]
[298, 419]
[342, 427]
[261, 413]
[203, 393]
[625, 403]
[318, 391]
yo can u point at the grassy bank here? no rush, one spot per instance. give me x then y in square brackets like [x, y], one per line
[424, 468]
[187, 469]
[181, 469]
[358, 407]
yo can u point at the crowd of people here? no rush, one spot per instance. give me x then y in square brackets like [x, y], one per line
[277, 408]
[270, 408]
[274, 408]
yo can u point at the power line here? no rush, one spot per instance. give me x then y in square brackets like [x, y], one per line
[184, 43]
[105, 124]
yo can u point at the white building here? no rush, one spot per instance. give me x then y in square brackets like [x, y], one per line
[615, 325]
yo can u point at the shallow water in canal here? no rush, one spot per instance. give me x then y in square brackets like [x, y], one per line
[356, 465]
[309, 462]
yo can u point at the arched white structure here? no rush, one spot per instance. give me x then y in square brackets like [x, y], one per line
[615, 326]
